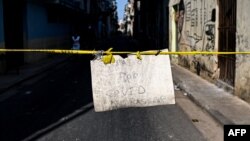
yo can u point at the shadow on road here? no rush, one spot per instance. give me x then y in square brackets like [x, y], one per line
[41, 106]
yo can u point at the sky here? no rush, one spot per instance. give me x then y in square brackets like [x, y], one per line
[120, 7]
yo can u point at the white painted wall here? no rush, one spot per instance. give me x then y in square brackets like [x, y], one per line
[242, 78]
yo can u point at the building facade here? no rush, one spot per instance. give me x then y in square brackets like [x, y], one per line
[211, 26]
[107, 18]
[129, 13]
[34, 24]
[1, 25]
[151, 23]
[49, 32]
[2, 63]
[47, 24]
[242, 77]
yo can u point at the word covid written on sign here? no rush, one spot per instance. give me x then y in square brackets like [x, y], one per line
[131, 82]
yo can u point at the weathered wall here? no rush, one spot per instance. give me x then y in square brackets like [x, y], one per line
[38, 25]
[242, 79]
[172, 35]
[42, 34]
[196, 31]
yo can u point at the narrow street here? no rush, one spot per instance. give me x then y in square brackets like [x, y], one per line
[51, 90]
[56, 108]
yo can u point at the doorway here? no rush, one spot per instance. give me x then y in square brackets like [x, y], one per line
[227, 40]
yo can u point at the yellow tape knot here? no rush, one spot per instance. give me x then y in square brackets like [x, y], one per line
[138, 55]
[109, 58]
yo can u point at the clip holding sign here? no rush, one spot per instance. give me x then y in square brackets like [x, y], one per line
[98, 55]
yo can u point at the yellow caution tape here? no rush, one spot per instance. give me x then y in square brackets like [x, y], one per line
[109, 58]
[61, 51]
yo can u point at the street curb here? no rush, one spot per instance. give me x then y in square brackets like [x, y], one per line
[217, 116]
[61, 121]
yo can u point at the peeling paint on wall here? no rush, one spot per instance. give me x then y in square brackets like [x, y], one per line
[199, 33]
[196, 32]
[242, 78]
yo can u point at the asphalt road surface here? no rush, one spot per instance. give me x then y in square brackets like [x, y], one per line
[58, 107]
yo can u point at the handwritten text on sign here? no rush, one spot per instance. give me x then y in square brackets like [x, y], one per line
[132, 83]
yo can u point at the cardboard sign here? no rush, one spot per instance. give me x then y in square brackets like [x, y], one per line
[131, 82]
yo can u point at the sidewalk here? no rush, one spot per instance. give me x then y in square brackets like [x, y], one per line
[223, 107]
[11, 79]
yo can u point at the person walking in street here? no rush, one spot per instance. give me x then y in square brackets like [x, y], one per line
[76, 41]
